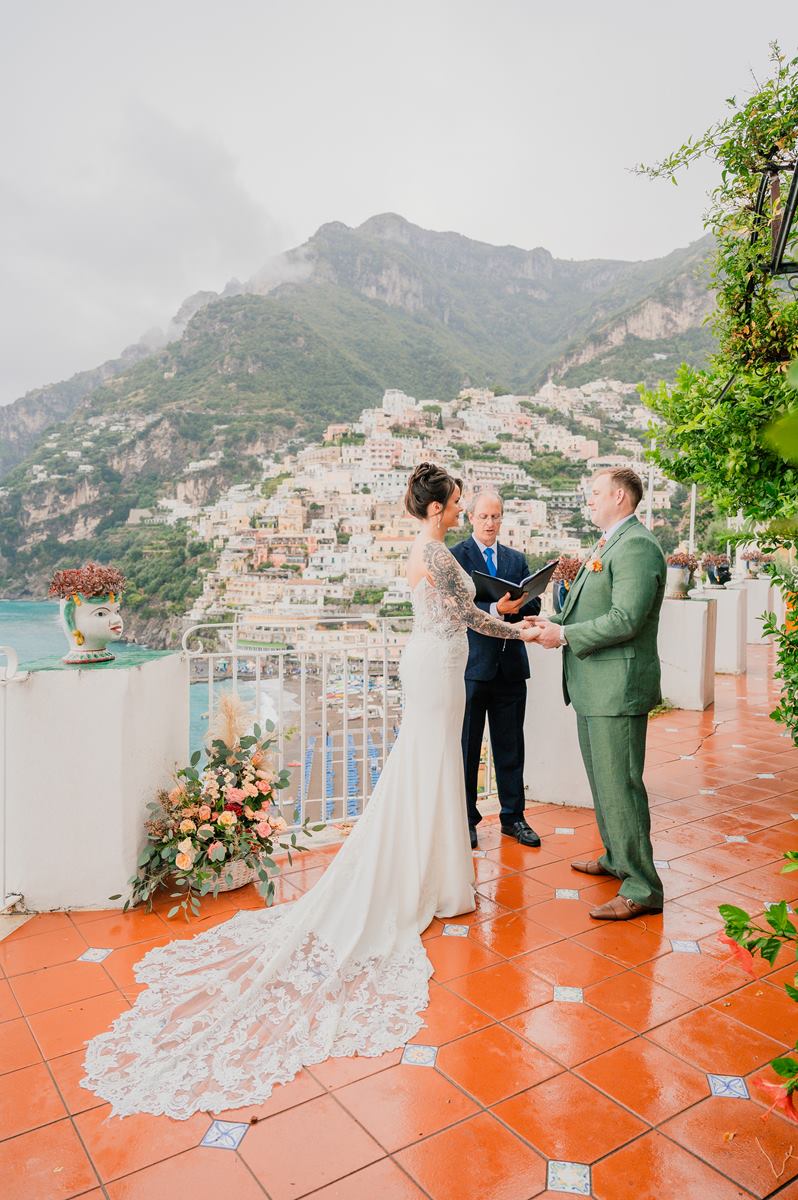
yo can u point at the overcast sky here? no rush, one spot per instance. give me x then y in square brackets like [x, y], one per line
[162, 147]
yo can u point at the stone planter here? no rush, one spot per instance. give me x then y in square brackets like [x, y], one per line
[677, 583]
[89, 624]
[718, 576]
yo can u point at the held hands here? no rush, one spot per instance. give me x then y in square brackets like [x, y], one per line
[528, 632]
[508, 607]
[548, 634]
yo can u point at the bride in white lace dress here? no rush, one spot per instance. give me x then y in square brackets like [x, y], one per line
[341, 971]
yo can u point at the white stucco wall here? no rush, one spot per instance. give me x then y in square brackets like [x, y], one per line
[86, 751]
[553, 768]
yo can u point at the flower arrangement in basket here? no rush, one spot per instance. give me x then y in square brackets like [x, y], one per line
[754, 559]
[717, 567]
[566, 571]
[683, 558]
[219, 826]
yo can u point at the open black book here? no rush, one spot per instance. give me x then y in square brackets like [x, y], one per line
[491, 588]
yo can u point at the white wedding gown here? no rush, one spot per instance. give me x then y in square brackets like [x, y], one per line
[341, 971]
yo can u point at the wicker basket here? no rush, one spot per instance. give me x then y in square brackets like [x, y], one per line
[240, 874]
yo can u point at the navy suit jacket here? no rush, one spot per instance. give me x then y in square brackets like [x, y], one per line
[490, 656]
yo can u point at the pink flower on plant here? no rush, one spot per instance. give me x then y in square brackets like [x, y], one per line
[739, 955]
[228, 819]
[248, 813]
[204, 812]
[264, 786]
[175, 794]
[782, 1099]
[249, 789]
[235, 795]
[263, 830]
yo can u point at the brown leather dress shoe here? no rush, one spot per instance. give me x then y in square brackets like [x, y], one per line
[620, 908]
[589, 866]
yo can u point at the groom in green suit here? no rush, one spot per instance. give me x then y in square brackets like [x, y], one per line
[611, 674]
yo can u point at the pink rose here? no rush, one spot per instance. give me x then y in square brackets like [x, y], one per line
[263, 830]
[204, 812]
[264, 786]
[235, 795]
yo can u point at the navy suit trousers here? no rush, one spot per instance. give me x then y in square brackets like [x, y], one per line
[503, 702]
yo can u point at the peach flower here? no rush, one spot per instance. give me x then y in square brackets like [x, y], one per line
[278, 824]
[782, 1099]
[228, 819]
[187, 826]
[264, 786]
[204, 812]
[186, 846]
[176, 794]
[739, 955]
[184, 862]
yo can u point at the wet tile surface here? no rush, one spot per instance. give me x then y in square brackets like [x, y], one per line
[634, 1077]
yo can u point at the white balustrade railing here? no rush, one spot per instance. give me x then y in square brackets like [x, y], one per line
[330, 685]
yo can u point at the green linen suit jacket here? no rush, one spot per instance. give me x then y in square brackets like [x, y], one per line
[610, 662]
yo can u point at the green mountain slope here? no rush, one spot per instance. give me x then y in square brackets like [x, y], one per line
[384, 305]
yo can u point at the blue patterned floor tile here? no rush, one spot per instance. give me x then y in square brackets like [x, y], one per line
[225, 1135]
[94, 954]
[569, 995]
[420, 1056]
[728, 1085]
[455, 931]
[570, 1177]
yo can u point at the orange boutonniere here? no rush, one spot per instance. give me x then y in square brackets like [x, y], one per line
[595, 564]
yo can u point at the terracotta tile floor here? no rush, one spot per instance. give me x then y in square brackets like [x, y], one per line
[601, 1089]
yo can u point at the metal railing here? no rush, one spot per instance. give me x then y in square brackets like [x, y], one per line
[330, 685]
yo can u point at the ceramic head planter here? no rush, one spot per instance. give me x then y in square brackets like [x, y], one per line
[90, 597]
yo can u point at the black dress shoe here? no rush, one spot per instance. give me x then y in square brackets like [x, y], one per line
[473, 835]
[524, 834]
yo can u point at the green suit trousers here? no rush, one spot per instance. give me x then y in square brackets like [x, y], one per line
[614, 751]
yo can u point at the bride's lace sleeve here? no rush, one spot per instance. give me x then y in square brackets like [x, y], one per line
[452, 593]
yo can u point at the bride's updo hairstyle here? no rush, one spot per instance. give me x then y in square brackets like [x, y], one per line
[429, 484]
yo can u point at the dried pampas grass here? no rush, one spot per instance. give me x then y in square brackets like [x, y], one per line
[233, 719]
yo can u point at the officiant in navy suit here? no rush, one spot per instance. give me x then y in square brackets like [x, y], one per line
[496, 675]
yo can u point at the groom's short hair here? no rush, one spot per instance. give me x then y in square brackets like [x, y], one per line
[629, 480]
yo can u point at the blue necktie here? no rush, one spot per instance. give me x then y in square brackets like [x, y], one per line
[489, 560]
